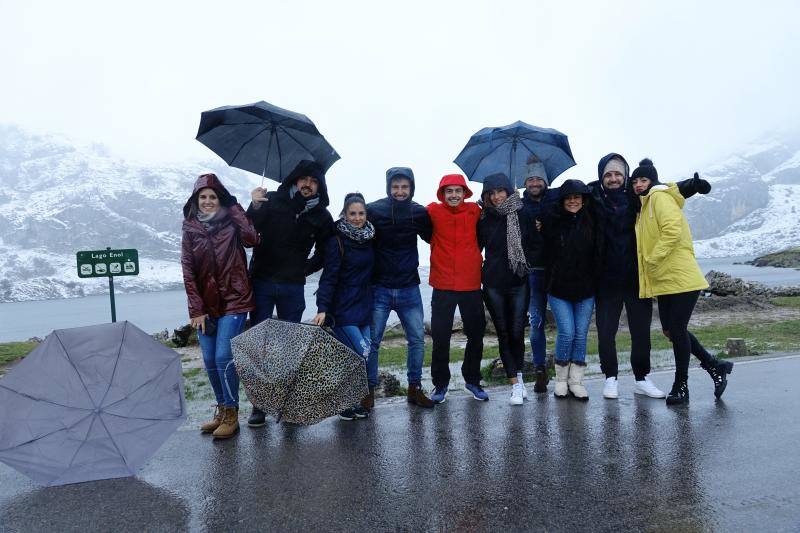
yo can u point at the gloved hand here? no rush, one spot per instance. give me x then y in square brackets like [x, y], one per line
[701, 185]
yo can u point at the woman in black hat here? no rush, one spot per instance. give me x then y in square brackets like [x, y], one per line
[508, 237]
[572, 257]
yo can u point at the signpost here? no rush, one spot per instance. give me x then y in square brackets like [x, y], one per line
[110, 263]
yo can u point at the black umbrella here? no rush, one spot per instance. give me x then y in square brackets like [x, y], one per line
[264, 139]
[298, 373]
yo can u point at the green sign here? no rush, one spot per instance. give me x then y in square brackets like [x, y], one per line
[107, 263]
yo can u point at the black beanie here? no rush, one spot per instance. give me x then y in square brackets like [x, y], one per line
[646, 170]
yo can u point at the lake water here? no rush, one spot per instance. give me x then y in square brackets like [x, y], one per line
[157, 311]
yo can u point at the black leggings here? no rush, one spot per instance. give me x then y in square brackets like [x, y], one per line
[674, 311]
[508, 308]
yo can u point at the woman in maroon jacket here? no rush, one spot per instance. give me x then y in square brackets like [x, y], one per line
[218, 290]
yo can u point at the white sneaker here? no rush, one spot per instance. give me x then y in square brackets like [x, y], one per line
[647, 388]
[516, 394]
[524, 388]
[611, 389]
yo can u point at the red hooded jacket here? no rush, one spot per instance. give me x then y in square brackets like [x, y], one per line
[213, 259]
[455, 257]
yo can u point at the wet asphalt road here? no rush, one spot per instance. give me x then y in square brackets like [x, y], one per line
[551, 465]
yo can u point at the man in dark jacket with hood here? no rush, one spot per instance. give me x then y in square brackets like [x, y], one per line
[291, 220]
[535, 201]
[398, 220]
[615, 209]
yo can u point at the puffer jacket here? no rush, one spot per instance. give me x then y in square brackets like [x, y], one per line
[573, 247]
[397, 225]
[213, 260]
[537, 210]
[615, 214]
[455, 257]
[289, 232]
[667, 264]
[345, 287]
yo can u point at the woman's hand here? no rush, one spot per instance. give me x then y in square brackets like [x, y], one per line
[538, 225]
[199, 322]
[319, 319]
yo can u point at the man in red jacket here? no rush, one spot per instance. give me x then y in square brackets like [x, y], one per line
[456, 280]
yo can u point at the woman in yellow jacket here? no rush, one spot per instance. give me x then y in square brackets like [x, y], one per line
[669, 272]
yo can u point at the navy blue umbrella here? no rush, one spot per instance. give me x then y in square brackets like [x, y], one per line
[264, 139]
[512, 150]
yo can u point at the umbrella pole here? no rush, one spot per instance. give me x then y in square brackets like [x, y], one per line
[511, 163]
[266, 157]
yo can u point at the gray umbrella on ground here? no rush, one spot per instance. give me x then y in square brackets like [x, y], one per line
[298, 373]
[90, 403]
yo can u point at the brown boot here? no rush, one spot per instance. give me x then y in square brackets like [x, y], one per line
[208, 427]
[416, 396]
[229, 425]
[369, 400]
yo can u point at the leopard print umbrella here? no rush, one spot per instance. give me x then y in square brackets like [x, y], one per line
[298, 373]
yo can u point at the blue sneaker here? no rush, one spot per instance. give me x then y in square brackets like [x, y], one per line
[477, 392]
[439, 394]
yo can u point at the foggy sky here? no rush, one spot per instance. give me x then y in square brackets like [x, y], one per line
[407, 83]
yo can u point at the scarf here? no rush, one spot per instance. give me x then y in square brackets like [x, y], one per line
[205, 219]
[302, 204]
[362, 234]
[516, 255]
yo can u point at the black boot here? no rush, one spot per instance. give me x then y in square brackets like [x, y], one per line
[718, 370]
[679, 394]
[541, 379]
[257, 418]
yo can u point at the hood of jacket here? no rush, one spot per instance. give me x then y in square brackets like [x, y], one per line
[399, 172]
[497, 181]
[453, 179]
[670, 189]
[601, 166]
[208, 181]
[307, 168]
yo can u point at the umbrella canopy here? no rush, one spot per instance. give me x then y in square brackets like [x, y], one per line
[90, 403]
[511, 149]
[298, 373]
[264, 139]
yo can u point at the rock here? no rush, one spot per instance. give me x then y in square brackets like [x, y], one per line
[180, 336]
[35, 339]
[736, 348]
[789, 258]
[389, 385]
[722, 284]
[161, 336]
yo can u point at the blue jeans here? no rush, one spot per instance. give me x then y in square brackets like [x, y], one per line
[218, 359]
[572, 321]
[537, 309]
[289, 298]
[357, 338]
[407, 303]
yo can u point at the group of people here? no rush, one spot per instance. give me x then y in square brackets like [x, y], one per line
[619, 241]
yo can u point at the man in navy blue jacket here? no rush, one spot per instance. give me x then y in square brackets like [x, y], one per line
[535, 200]
[398, 220]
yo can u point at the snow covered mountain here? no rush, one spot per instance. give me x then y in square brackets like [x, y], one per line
[752, 209]
[57, 198]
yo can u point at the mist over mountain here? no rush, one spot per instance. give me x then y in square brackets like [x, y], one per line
[58, 197]
[752, 207]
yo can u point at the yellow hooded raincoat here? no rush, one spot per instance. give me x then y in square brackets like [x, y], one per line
[667, 264]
